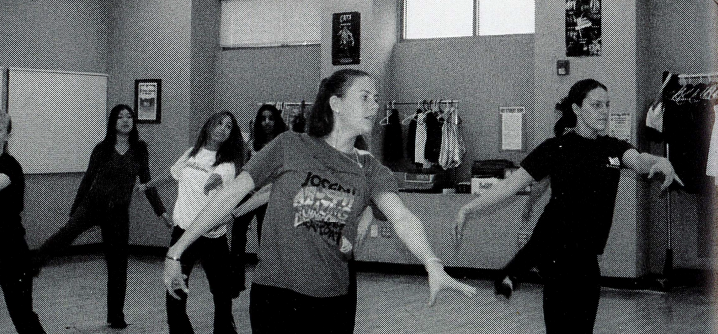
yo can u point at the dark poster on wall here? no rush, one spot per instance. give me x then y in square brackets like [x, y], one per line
[583, 28]
[345, 38]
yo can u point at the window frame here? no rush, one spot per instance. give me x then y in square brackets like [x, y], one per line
[475, 26]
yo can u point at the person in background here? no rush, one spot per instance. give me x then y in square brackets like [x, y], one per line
[268, 124]
[16, 275]
[321, 185]
[584, 167]
[200, 172]
[103, 199]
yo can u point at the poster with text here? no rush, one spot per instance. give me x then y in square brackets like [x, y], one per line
[148, 100]
[583, 28]
[345, 38]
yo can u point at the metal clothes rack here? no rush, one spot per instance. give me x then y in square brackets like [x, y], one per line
[664, 281]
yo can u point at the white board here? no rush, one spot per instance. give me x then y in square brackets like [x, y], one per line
[57, 118]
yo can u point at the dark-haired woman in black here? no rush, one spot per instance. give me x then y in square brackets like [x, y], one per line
[103, 199]
[584, 167]
[268, 124]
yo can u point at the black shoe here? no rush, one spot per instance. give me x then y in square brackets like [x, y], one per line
[117, 324]
[505, 286]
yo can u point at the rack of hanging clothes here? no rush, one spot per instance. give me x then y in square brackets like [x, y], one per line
[294, 114]
[684, 113]
[433, 138]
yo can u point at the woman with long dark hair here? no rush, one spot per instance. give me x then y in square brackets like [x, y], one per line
[268, 124]
[103, 199]
[213, 161]
[321, 185]
[584, 167]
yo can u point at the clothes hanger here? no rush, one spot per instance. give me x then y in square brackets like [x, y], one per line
[387, 113]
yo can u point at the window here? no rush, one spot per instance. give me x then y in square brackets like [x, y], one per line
[436, 19]
[269, 23]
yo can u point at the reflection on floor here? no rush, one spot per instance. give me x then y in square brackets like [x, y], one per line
[70, 298]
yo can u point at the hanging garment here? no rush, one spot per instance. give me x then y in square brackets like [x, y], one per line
[393, 145]
[712, 166]
[411, 139]
[687, 126]
[420, 140]
[452, 144]
[433, 137]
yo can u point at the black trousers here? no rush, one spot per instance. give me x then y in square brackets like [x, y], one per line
[114, 225]
[213, 253]
[16, 283]
[571, 278]
[276, 310]
[239, 245]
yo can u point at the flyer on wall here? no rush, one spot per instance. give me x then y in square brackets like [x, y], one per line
[345, 38]
[583, 28]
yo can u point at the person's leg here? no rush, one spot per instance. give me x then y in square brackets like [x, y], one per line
[571, 294]
[214, 256]
[328, 315]
[79, 222]
[115, 237]
[271, 310]
[16, 283]
[237, 255]
[177, 319]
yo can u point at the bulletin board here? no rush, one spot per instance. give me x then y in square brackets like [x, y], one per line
[57, 118]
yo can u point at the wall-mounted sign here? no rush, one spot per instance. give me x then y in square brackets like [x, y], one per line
[583, 28]
[345, 38]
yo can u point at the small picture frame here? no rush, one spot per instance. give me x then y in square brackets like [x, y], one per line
[148, 100]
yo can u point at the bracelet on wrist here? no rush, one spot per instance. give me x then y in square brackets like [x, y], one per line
[172, 258]
[433, 260]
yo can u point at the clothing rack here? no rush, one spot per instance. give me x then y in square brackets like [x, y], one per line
[668, 262]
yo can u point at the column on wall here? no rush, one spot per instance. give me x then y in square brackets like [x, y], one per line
[616, 68]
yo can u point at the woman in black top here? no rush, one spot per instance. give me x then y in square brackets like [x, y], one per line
[584, 169]
[268, 124]
[103, 199]
[15, 275]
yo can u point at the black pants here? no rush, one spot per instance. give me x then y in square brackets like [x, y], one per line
[571, 283]
[16, 283]
[276, 310]
[213, 253]
[239, 244]
[571, 293]
[114, 224]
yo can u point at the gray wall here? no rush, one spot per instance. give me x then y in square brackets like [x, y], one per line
[151, 40]
[246, 76]
[53, 35]
[484, 73]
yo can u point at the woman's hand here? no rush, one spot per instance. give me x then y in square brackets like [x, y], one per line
[665, 167]
[174, 279]
[168, 221]
[214, 182]
[439, 280]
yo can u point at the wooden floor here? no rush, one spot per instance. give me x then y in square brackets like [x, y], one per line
[70, 298]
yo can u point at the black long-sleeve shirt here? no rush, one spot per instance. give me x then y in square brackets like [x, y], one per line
[110, 178]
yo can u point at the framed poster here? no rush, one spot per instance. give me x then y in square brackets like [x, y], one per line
[583, 28]
[346, 38]
[148, 100]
